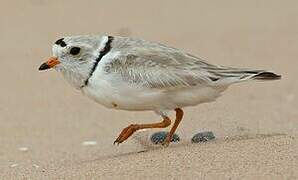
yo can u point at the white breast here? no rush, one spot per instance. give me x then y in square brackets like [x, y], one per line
[111, 91]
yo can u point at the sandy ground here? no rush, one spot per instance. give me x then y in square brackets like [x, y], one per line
[255, 123]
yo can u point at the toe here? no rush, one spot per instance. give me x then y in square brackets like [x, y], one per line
[165, 144]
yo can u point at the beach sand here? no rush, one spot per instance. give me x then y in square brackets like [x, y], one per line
[44, 121]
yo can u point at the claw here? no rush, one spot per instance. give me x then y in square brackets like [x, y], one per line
[166, 142]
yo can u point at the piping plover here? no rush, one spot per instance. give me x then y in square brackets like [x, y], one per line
[137, 75]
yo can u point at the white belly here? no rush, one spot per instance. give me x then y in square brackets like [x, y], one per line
[121, 95]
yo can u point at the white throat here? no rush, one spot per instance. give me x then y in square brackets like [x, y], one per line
[78, 73]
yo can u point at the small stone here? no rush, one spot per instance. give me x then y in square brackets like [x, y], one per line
[89, 143]
[14, 165]
[202, 137]
[23, 149]
[159, 137]
[36, 166]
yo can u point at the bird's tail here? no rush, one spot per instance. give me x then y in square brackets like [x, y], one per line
[261, 75]
[265, 75]
[234, 75]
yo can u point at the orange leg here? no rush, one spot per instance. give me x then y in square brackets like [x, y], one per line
[179, 116]
[128, 131]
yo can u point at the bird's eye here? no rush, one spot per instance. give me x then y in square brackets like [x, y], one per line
[75, 50]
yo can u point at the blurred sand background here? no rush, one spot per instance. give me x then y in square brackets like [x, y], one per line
[256, 124]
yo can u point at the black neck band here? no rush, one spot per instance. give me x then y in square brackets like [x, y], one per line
[102, 53]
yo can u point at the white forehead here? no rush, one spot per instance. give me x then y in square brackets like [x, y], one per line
[78, 41]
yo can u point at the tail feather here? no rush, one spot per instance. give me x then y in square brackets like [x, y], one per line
[266, 76]
[234, 75]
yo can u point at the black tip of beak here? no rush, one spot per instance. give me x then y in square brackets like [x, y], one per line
[44, 66]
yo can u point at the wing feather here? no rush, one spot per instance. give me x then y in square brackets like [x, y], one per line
[159, 68]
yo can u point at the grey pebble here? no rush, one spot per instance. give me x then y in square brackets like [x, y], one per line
[159, 137]
[202, 137]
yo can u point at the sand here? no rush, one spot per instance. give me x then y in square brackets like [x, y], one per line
[44, 121]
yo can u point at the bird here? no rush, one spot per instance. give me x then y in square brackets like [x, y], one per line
[133, 74]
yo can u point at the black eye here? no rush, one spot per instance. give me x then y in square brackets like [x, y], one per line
[74, 50]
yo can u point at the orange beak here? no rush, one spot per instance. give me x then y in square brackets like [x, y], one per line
[53, 61]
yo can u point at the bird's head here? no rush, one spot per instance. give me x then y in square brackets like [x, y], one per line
[74, 57]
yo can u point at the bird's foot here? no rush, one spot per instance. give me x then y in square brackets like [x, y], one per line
[126, 133]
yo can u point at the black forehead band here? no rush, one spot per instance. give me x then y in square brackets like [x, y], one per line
[61, 42]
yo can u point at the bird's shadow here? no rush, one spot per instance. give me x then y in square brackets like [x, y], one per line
[151, 147]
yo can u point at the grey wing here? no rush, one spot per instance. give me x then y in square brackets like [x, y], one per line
[161, 67]
[155, 65]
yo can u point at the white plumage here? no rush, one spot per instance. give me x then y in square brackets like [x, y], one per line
[133, 74]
